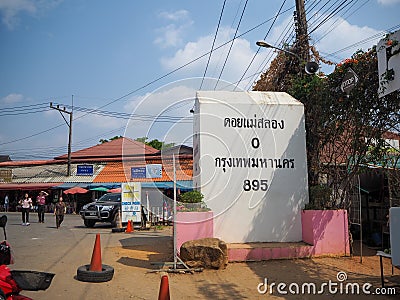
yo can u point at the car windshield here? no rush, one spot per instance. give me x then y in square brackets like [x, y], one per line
[110, 198]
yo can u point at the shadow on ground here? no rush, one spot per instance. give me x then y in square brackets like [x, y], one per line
[148, 250]
[347, 273]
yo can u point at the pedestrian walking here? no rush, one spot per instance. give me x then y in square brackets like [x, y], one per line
[26, 205]
[59, 211]
[40, 202]
[6, 203]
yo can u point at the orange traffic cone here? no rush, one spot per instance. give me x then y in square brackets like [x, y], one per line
[164, 289]
[129, 228]
[95, 263]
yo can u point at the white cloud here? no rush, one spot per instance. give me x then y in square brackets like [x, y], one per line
[240, 56]
[388, 2]
[171, 103]
[94, 121]
[12, 98]
[344, 35]
[171, 34]
[174, 16]
[10, 10]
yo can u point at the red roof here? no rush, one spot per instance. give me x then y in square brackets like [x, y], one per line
[115, 149]
[121, 171]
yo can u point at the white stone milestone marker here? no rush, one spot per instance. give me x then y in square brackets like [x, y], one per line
[250, 163]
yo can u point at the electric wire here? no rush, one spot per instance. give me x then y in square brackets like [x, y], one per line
[284, 38]
[213, 43]
[341, 6]
[165, 75]
[320, 15]
[150, 82]
[373, 37]
[258, 50]
[128, 116]
[231, 26]
[230, 47]
[339, 21]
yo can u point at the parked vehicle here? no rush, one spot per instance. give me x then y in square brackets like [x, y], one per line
[12, 282]
[105, 209]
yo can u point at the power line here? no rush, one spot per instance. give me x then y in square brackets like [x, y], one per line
[151, 82]
[258, 50]
[231, 26]
[373, 37]
[158, 79]
[230, 47]
[213, 43]
[23, 106]
[341, 6]
[284, 37]
[127, 116]
[24, 109]
[336, 23]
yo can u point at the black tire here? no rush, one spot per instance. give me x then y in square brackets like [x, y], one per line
[84, 274]
[114, 222]
[89, 223]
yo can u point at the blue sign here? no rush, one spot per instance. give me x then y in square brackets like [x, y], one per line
[138, 172]
[84, 170]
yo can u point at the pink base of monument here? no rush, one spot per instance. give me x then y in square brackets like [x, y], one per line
[325, 233]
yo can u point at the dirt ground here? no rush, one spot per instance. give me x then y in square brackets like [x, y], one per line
[137, 257]
[241, 280]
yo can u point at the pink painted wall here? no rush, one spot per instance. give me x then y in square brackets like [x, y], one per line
[266, 253]
[193, 226]
[327, 231]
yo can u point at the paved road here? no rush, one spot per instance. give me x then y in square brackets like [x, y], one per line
[43, 247]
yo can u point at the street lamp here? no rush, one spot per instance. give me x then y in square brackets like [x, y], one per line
[311, 67]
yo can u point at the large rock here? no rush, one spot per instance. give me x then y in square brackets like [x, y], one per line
[209, 253]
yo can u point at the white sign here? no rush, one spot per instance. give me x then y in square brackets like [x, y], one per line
[349, 81]
[250, 164]
[131, 201]
[388, 51]
[153, 171]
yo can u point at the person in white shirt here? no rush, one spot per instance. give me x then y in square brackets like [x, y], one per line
[26, 204]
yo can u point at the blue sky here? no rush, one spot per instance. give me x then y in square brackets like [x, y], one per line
[147, 58]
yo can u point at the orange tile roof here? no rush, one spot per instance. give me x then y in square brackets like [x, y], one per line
[121, 171]
[122, 147]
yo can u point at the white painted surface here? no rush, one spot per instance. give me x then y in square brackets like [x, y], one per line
[272, 214]
[389, 59]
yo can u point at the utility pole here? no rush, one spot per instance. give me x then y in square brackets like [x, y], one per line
[69, 124]
[302, 43]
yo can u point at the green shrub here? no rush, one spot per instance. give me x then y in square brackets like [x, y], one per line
[192, 197]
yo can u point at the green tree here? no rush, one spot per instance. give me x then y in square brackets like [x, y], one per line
[156, 144]
[142, 140]
[102, 141]
[343, 133]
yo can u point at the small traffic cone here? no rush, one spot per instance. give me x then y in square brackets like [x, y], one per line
[164, 288]
[95, 263]
[129, 228]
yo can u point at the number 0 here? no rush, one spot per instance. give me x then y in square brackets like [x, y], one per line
[255, 142]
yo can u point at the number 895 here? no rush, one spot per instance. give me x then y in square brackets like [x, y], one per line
[255, 185]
